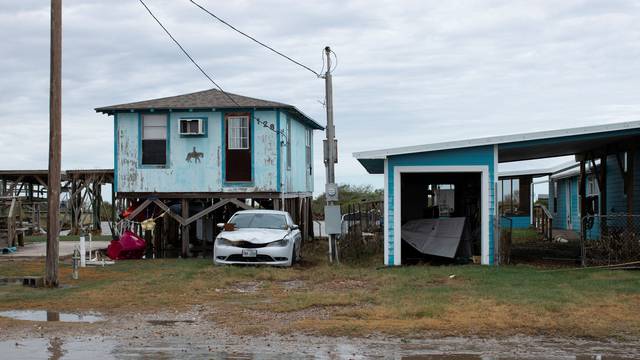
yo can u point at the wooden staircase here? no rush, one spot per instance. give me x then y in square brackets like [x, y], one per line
[9, 219]
[543, 222]
[4, 232]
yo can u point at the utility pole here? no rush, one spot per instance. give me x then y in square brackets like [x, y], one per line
[55, 125]
[330, 147]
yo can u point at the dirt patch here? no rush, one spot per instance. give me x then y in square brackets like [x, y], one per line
[290, 285]
[285, 318]
[248, 287]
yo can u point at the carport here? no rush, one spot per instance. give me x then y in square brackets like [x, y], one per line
[411, 172]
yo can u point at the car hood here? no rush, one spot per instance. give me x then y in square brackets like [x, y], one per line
[255, 236]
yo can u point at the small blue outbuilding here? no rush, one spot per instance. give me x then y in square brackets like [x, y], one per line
[469, 168]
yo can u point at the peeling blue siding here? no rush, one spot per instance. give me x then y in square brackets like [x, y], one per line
[178, 175]
[297, 177]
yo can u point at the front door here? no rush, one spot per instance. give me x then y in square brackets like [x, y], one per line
[238, 147]
[568, 199]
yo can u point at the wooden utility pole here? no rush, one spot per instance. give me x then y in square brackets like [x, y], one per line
[55, 125]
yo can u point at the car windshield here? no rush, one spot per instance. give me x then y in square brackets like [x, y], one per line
[260, 221]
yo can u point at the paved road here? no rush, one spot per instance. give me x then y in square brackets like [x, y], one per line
[40, 249]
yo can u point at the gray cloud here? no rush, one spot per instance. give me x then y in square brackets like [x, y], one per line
[409, 72]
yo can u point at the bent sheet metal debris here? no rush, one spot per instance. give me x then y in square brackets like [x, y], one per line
[439, 237]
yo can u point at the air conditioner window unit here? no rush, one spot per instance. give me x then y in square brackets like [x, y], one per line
[191, 127]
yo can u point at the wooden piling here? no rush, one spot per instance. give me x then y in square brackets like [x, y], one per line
[185, 229]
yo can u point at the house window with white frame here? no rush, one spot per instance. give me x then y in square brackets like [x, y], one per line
[308, 138]
[154, 139]
[592, 186]
[592, 195]
[238, 133]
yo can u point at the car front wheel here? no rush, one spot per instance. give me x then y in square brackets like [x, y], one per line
[294, 254]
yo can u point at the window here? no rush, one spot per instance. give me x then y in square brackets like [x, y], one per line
[504, 203]
[592, 195]
[288, 144]
[259, 221]
[592, 186]
[154, 139]
[515, 196]
[509, 198]
[238, 133]
[445, 199]
[308, 139]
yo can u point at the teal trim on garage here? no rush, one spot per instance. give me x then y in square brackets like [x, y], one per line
[475, 156]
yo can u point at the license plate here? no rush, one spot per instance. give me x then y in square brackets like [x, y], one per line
[249, 253]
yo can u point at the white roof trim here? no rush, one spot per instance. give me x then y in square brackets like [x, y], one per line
[548, 171]
[573, 170]
[541, 172]
[586, 130]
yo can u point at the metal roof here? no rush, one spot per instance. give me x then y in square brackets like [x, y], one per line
[526, 146]
[33, 176]
[539, 171]
[563, 170]
[208, 99]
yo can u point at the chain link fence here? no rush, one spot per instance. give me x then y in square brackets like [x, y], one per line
[610, 239]
[505, 227]
[362, 229]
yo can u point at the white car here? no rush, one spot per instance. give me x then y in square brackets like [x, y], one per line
[265, 237]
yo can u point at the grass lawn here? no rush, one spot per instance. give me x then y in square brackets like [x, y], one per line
[523, 235]
[351, 299]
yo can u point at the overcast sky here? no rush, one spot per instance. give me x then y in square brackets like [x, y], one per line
[409, 72]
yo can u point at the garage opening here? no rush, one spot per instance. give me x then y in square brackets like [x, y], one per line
[441, 217]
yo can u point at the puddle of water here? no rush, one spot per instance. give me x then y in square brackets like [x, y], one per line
[57, 348]
[43, 315]
[446, 357]
[482, 357]
[103, 348]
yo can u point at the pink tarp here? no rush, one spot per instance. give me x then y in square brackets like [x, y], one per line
[129, 246]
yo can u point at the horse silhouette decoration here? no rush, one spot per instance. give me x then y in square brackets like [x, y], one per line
[195, 155]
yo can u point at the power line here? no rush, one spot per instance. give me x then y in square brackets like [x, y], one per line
[335, 56]
[255, 40]
[187, 54]
[336, 66]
